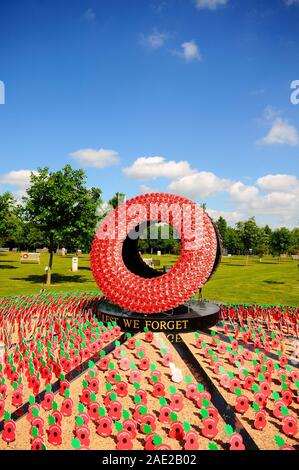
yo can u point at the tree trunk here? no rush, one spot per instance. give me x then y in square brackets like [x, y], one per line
[49, 272]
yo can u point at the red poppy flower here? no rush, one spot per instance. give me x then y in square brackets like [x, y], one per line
[158, 390]
[37, 443]
[209, 429]
[176, 430]
[192, 392]
[139, 352]
[236, 442]
[129, 425]
[224, 380]
[265, 388]
[154, 374]
[136, 413]
[176, 402]
[242, 404]
[166, 359]
[2, 408]
[9, 431]
[213, 413]
[93, 384]
[234, 383]
[287, 397]
[17, 398]
[29, 415]
[83, 433]
[135, 376]
[164, 416]
[104, 428]
[111, 376]
[191, 441]
[260, 399]
[114, 412]
[121, 389]
[283, 360]
[93, 411]
[38, 423]
[131, 343]
[260, 420]
[149, 442]
[67, 407]
[63, 386]
[144, 363]
[124, 363]
[148, 419]
[248, 382]
[85, 396]
[143, 395]
[47, 401]
[124, 441]
[103, 363]
[54, 435]
[290, 425]
[277, 409]
[149, 336]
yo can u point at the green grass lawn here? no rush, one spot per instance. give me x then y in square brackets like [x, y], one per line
[234, 281]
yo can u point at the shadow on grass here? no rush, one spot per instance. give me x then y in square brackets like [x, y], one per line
[55, 279]
[274, 282]
[7, 266]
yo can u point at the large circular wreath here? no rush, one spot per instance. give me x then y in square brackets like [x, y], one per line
[127, 281]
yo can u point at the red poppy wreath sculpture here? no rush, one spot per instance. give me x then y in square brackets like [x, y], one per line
[135, 286]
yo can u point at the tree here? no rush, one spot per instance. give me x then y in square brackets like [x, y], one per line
[294, 241]
[61, 207]
[11, 224]
[222, 227]
[280, 241]
[117, 199]
[250, 234]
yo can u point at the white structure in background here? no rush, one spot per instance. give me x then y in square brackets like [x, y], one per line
[176, 373]
[158, 253]
[75, 264]
[63, 251]
[2, 352]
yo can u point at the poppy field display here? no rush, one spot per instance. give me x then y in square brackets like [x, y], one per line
[67, 381]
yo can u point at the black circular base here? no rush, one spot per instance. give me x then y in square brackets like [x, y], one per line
[191, 316]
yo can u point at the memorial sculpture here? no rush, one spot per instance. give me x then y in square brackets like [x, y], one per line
[142, 297]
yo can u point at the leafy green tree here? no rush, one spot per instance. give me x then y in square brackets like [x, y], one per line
[222, 227]
[280, 241]
[294, 249]
[117, 199]
[250, 235]
[61, 207]
[11, 224]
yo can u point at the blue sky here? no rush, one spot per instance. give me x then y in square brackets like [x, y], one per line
[186, 96]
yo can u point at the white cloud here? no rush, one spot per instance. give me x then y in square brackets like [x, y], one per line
[190, 51]
[281, 183]
[146, 168]
[230, 216]
[199, 185]
[209, 4]
[242, 193]
[100, 158]
[276, 200]
[281, 133]
[90, 15]
[154, 40]
[144, 189]
[19, 179]
[270, 113]
[291, 2]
